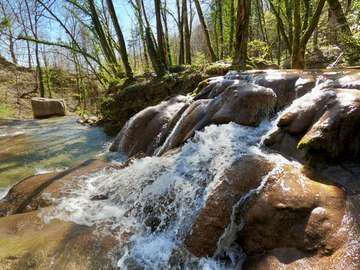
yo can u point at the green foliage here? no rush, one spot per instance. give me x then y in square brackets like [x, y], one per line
[6, 111]
[259, 49]
[4, 22]
[200, 60]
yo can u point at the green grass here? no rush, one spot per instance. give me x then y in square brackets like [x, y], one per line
[6, 111]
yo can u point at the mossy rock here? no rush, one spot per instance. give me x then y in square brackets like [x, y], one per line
[124, 102]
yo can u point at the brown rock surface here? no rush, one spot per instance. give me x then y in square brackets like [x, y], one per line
[27, 195]
[324, 122]
[295, 210]
[46, 107]
[244, 175]
[143, 131]
[241, 102]
[26, 242]
[283, 84]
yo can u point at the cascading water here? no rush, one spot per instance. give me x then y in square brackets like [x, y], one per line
[152, 203]
[155, 199]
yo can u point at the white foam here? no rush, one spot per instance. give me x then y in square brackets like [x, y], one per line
[174, 188]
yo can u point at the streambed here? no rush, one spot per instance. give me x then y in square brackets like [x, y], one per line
[29, 147]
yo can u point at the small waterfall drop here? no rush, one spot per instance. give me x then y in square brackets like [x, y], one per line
[155, 199]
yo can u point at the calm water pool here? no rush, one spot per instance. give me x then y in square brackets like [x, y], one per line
[35, 146]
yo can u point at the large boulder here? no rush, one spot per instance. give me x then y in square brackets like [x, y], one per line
[282, 82]
[47, 107]
[142, 133]
[245, 174]
[323, 123]
[294, 209]
[298, 221]
[239, 101]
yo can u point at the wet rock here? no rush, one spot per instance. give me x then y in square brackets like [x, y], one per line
[300, 222]
[99, 197]
[89, 120]
[143, 131]
[324, 123]
[240, 102]
[213, 87]
[304, 84]
[244, 175]
[194, 117]
[283, 84]
[47, 107]
[42, 190]
[26, 242]
[152, 222]
[294, 210]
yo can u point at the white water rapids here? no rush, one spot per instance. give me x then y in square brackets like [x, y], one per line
[156, 199]
[152, 203]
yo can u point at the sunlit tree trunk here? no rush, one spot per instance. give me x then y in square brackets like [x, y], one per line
[221, 28]
[121, 41]
[243, 17]
[181, 33]
[186, 33]
[205, 29]
[160, 34]
[232, 26]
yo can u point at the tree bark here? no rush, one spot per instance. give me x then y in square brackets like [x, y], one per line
[181, 33]
[121, 41]
[299, 43]
[205, 29]
[164, 16]
[157, 64]
[186, 33]
[160, 33]
[243, 17]
[296, 60]
[232, 26]
[221, 28]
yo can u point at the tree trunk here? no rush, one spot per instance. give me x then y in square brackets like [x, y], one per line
[40, 76]
[106, 47]
[335, 7]
[160, 33]
[186, 33]
[181, 33]
[232, 26]
[137, 7]
[296, 62]
[121, 41]
[157, 64]
[28, 54]
[221, 28]
[243, 17]
[205, 29]
[12, 47]
[347, 42]
[299, 44]
[164, 16]
[260, 21]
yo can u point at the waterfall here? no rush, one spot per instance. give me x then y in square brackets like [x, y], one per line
[156, 199]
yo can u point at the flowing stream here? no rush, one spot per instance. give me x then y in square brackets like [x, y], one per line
[37, 146]
[156, 199]
[150, 204]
